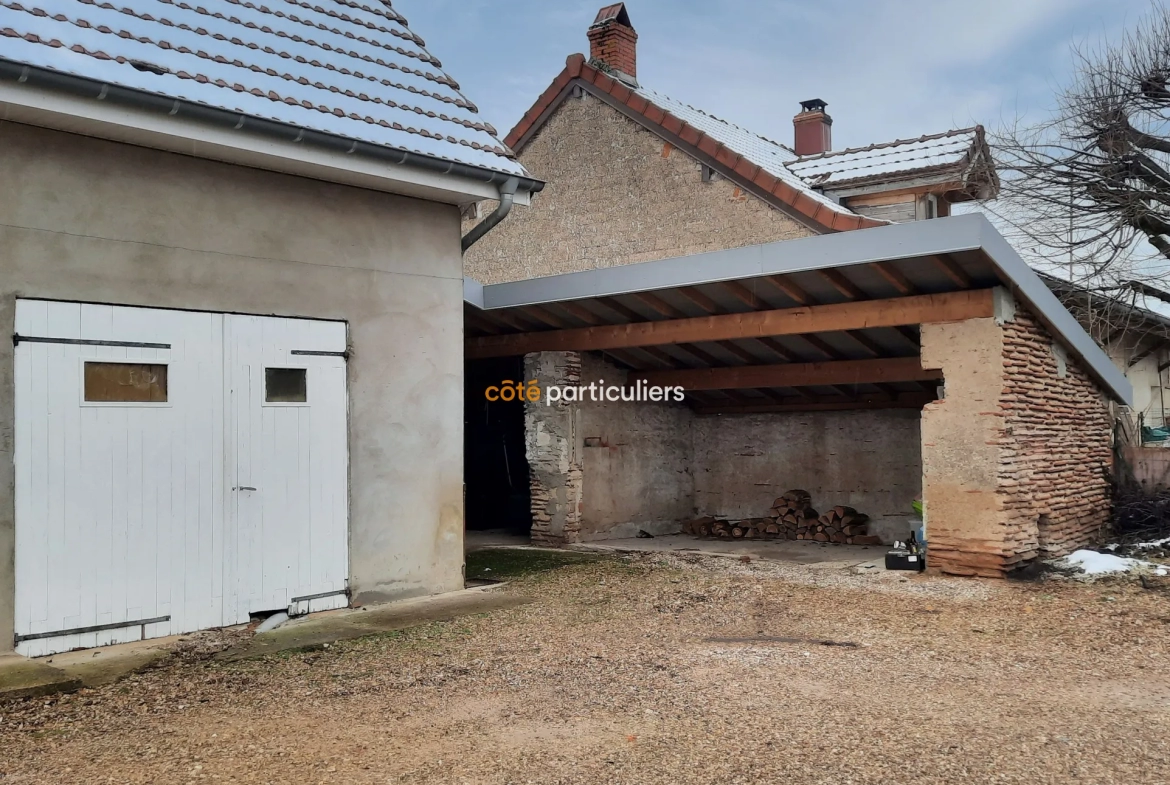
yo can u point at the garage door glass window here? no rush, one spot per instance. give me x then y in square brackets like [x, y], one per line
[285, 385]
[113, 382]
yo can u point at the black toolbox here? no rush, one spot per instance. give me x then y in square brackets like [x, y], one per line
[904, 560]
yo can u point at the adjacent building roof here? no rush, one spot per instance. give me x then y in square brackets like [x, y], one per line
[347, 68]
[771, 157]
[769, 169]
[937, 257]
[958, 153]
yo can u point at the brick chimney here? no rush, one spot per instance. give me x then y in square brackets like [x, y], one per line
[813, 128]
[613, 42]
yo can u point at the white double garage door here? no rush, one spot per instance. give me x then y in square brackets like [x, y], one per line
[175, 471]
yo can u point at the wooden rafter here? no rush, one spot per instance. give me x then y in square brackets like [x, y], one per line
[700, 299]
[790, 289]
[581, 313]
[744, 294]
[903, 401]
[481, 323]
[843, 285]
[544, 315]
[951, 306]
[900, 369]
[953, 271]
[894, 277]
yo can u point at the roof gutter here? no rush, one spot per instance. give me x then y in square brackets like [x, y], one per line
[507, 196]
[138, 99]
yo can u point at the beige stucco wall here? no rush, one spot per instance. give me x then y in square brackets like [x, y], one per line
[616, 194]
[83, 219]
[960, 445]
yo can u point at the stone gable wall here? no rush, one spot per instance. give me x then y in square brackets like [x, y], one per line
[616, 194]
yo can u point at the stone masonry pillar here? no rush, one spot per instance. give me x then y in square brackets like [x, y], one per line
[554, 460]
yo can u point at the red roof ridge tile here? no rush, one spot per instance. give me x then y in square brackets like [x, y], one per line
[743, 170]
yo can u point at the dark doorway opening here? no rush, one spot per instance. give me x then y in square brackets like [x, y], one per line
[495, 468]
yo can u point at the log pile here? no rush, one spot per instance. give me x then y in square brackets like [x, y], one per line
[792, 517]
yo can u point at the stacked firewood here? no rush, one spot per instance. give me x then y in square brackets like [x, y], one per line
[793, 512]
[840, 524]
[792, 517]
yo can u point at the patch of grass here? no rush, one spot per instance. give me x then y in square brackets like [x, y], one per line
[510, 563]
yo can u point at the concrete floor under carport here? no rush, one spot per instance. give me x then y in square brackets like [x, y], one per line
[939, 317]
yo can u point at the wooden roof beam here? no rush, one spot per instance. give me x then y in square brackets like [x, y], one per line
[901, 369]
[790, 289]
[948, 307]
[904, 401]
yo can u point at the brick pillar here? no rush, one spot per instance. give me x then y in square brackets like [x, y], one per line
[554, 461]
[1016, 458]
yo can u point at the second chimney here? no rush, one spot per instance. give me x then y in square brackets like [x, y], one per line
[613, 42]
[813, 128]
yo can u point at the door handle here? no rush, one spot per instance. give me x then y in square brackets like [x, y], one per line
[244, 488]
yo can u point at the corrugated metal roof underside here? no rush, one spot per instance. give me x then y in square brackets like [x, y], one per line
[349, 69]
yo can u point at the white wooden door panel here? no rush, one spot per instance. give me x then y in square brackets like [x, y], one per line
[291, 467]
[133, 511]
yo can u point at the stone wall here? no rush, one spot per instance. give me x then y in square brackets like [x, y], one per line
[616, 194]
[553, 452]
[607, 469]
[869, 460]
[636, 460]
[1016, 457]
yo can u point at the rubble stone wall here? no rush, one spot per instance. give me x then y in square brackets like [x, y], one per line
[616, 194]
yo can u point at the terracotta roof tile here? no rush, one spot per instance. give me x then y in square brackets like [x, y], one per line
[325, 66]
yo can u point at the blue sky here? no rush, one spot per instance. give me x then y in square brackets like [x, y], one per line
[888, 68]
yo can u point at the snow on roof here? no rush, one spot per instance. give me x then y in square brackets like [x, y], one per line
[348, 68]
[889, 158]
[773, 157]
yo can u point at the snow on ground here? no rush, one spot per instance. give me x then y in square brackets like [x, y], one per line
[1094, 563]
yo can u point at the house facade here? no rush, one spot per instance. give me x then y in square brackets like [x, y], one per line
[634, 175]
[231, 266]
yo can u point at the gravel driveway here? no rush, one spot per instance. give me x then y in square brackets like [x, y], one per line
[665, 670]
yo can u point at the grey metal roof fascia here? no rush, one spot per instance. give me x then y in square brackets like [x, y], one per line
[1049, 310]
[842, 249]
[473, 292]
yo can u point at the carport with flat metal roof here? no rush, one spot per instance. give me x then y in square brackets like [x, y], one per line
[940, 316]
